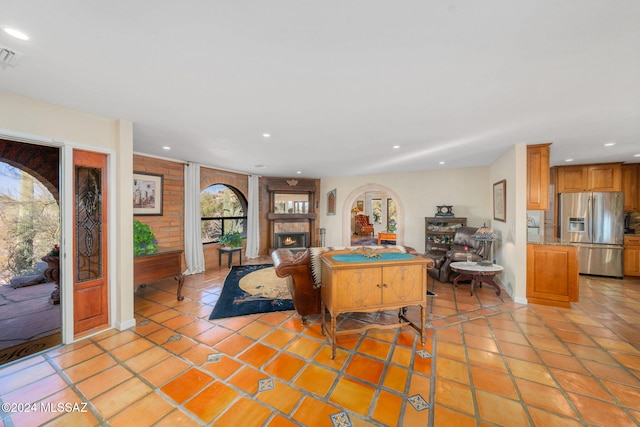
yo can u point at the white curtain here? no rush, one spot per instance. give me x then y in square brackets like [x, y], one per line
[253, 227]
[193, 252]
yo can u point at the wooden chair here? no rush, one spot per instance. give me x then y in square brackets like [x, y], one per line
[363, 226]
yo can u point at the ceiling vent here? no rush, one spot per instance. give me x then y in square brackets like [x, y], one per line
[9, 56]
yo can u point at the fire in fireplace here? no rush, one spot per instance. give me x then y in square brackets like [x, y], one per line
[291, 240]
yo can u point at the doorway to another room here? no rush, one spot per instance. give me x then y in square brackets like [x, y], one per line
[378, 211]
[30, 310]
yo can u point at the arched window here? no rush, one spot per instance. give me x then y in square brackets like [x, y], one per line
[223, 209]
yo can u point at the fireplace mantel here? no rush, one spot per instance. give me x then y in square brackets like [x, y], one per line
[294, 222]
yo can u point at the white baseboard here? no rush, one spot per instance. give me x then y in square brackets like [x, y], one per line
[125, 325]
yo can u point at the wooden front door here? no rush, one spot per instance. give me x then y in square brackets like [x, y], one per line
[90, 279]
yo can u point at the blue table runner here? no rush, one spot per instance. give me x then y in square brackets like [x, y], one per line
[384, 256]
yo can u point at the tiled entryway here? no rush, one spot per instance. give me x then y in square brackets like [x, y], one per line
[488, 361]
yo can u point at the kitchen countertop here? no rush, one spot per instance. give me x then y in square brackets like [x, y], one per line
[546, 240]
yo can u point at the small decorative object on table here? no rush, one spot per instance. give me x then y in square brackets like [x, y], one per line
[233, 239]
[444, 210]
[469, 257]
[484, 235]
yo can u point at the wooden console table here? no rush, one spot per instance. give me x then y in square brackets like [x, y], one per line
[354, 283]
[165, 263]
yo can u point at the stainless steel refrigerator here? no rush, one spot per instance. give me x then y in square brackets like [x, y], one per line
[595, 223]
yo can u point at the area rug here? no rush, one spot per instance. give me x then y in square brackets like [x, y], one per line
[251, 289]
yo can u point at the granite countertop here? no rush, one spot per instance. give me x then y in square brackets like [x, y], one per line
[547, 240]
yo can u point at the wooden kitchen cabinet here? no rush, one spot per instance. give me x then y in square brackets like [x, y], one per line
[597, 177]
[630, 187]
[552, 274]
[538, 177]
[632, 255]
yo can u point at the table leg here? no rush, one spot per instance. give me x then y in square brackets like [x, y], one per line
[333, 336]
[422, 323]
[489, 281]
[240, 255]
[180, 279]
[462, 276]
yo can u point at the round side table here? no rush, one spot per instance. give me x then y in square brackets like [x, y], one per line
[478, 274]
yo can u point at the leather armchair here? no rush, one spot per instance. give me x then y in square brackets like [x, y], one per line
[443, 254]
[305, 295]
[363, 226]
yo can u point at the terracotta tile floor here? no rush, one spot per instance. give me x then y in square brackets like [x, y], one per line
[487, 362]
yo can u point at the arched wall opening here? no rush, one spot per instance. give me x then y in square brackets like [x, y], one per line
[353, 196]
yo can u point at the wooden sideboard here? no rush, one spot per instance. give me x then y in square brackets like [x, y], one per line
[167, 262]
[368, 285]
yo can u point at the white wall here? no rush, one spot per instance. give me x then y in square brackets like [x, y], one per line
[28, 120]
[469, 190]
[511, 251]
[416, 194]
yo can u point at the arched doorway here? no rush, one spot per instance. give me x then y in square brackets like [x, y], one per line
[31, 315]
[353, 196]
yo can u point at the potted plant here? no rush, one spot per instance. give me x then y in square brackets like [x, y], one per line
[233, 239]
[144, 241]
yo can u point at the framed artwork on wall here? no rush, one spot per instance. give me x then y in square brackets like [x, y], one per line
[500, 201]
[147, 193]
[331, 202]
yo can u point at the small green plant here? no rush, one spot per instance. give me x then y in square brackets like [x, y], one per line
[233, 239]
[144, 241]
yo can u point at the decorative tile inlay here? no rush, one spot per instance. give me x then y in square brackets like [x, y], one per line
[144, 322]
[265, 384]
[214, 357]
[341, 419]
[418, 403]
[173, 338]
[429, 326]
[423, 353]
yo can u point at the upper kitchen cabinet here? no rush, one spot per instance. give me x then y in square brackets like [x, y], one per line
[538, 177]
[598, 177]
[630, 187]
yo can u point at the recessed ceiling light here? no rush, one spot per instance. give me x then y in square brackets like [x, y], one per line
[395, 147]
[441, 163]
[609, 144]
[266, 135]
[166, 147]
[16, 33]
[298, 172]
[568, 160]
[636, 155]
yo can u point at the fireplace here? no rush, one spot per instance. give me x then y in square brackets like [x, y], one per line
[292, 240]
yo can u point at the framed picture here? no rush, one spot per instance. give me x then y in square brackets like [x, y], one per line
[500, 201]
[147, 193]
[360, 204]
[331, 202]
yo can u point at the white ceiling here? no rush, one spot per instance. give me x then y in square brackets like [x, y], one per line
[338, 83]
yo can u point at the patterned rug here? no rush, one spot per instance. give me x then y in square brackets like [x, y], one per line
[250, 289]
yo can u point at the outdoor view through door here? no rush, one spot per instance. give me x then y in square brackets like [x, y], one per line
[30, 315]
